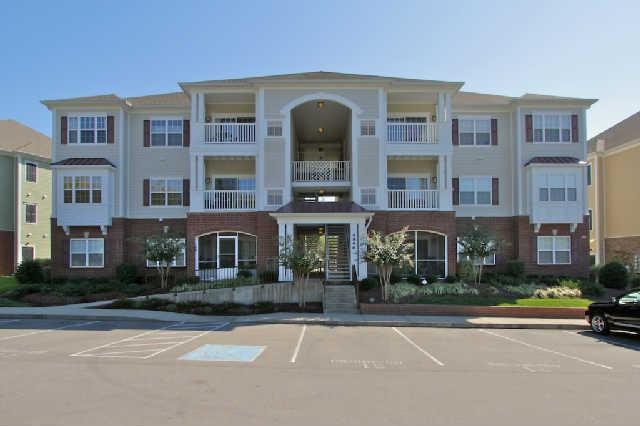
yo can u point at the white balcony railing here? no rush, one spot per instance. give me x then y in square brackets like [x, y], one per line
[414, 199]
[229, 132]
[321, 171]
[412, 132]
[230, 200]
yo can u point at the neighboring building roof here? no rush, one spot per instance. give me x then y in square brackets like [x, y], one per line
[318, 207]
[18, 138]
[83, 162]
[163, 99]
[553, 160]
[625, 131]
[472, 98]
[97, 99]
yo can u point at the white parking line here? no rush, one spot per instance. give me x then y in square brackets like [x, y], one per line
[610, 341]
[415, 345]
[551, 351]
[299, 344]
[154, 338]
[81, 324]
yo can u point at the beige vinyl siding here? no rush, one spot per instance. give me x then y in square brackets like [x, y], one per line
[411, 108]
[274, 166]
[37, 235]
[229, 167]
[145, 162]
[366, 99]
[412, 166]
[492, 161]
[7, 189]
[368, 160]
[621, 195]
[229, 109]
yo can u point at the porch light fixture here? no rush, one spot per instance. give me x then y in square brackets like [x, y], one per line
[320, 130]
[320, 104]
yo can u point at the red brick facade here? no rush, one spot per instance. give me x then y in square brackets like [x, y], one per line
[123, 242]
[7, 252]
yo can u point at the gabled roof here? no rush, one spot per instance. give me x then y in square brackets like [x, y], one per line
[83, 162]
[553, 160]
[97, 99]
[625, 131]
[473, 98]
[18, 138]
[319, 76]
[164, 99]
[318, 207]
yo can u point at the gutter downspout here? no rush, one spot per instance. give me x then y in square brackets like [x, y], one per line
[18, 227]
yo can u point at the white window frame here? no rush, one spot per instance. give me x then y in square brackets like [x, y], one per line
[91, 188]
[548, 187]
[274, 129]
[371, 194]
[26, 172]
[553, 249]
[475, 119]
[35, 222]
[166, 132]
[166, 192]
[174, 264]
[79, 118]
[544, 128]
[475, 191]
[487, 261]
[275, 192]
[368, 128]
[232, 176]
[86, 253]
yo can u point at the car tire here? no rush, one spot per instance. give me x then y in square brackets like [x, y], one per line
[599, 323]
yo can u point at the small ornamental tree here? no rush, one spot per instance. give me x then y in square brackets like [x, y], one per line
[302, 257]
[477, 244]
[163, 249]
[388, 252]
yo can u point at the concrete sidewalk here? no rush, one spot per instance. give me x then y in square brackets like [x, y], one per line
[89, 311]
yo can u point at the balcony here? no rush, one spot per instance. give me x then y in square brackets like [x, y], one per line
[413, 199]
[336, 173]
[412, 133]
[229, 133]
[225, 200]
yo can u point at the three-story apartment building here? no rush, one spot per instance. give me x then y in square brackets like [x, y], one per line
[234, 166]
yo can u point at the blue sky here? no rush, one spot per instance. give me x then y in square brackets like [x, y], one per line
[572, 48]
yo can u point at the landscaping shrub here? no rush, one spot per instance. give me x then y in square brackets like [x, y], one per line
[133, 289]
[395, 278]
[594, 272]
[432, 279]
[450, 279]
[74, 288]
[515, 268]
[457, 289]
[268, 276]
[522, 290]
[568, 283]
[614, 275]
[505, 280]
[547, 279]
[29, 272]
[414, 279]
[591, 288]
[466, 271]
[557, 293]
[402, 290]
[244, 273]
[126, 273]
[635, 281]
[22, 290]
[368, 283]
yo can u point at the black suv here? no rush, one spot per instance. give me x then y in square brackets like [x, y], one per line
[622, 313]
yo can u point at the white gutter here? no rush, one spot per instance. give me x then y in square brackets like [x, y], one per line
[18, 224]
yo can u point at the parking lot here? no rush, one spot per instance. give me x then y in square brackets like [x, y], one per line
[133, 373]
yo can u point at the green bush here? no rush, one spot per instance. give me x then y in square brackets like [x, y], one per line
[635, 281]
[414, 279]
[395, 277]
[466, 272]
[133, 289]
[74, 288]
[515, 268]
[594, 272]
[22, 290]
[568, 283]
[126, 273]
[557, 293]
[368, 283]
[614, 275]
[591, 288]
[522, 290]
[450, 279]
[268, 276]
[244, 273]
[29, 272]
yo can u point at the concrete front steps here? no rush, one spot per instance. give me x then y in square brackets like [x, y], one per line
[339, 299]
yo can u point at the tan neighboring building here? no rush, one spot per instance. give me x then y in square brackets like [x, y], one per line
[614, 193]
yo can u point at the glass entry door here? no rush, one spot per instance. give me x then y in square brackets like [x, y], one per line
[227, 256]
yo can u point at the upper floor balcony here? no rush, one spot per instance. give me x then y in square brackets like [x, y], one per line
[412, 133]
[325, 173]
[229, 133]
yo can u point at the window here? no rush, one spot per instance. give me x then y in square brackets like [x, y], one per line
[489, 260]
[166, 132]
[588, 174]
[630, 298]
[475, 190]
[368, 196]
[408, 182]
[28, 253]
[32, 172]
[367, 128]
[87, 129]
[86, 252]
[82, 189]
[274, 197]
[242, 183]
[557, 187]
[274, 128]
[30, 213]
[429, 254]
[180, 260]
[590, 220]
[554, 250]
[165, 192]
[475, 132]
[551, 128]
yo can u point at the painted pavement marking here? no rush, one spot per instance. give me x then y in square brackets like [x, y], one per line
[48, 330]
[230, 353]
[153, 342]
[605, 340]
[551, 351]
[298, 345]
[532, 368]
[366, 364]
[415, 345]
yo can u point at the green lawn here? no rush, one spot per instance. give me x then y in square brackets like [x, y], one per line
[7, 283]
[502, 301]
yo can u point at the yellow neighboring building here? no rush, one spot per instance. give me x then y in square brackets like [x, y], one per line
[614, 192]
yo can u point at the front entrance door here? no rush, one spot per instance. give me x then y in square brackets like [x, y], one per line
[227, 256]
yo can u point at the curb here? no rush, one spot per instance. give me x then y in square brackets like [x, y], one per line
[328, 322]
